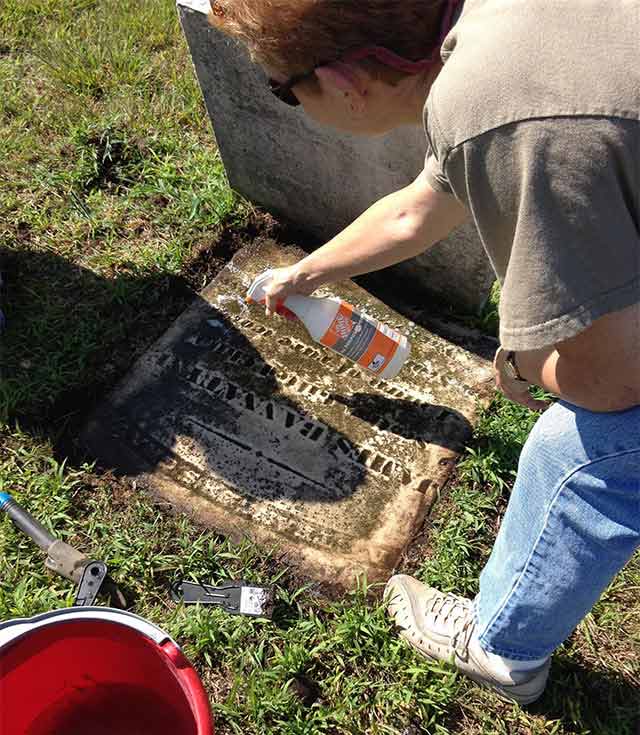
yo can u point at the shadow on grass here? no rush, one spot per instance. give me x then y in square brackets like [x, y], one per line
[72, 334]
[601, 700]
[578, 698]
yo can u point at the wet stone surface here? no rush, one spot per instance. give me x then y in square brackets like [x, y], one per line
[254, 429]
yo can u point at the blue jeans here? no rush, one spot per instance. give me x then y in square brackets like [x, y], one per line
[572, 523]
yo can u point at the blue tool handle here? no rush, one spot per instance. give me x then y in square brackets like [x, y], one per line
[26, 522]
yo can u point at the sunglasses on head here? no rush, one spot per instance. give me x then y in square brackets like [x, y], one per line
[284, 90]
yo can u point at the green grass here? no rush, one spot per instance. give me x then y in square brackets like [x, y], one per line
[321, 666]
[110, 183]
[113, 207]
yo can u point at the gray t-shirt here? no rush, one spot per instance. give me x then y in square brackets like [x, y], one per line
[533, 123]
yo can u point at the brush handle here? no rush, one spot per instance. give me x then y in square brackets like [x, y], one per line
[26, 522]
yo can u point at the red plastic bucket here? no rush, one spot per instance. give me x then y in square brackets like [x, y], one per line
[99, 671]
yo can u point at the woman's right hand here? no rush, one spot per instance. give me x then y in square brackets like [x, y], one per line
[283, 283]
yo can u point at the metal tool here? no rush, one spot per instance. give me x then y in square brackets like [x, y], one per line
[89, 574]
[235, 597]
[93, 577]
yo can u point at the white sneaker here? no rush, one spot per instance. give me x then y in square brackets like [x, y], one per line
[441, 626]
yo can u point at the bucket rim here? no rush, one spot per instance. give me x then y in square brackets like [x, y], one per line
[14, 629]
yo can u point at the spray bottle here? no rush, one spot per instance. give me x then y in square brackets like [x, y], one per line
[336, 324]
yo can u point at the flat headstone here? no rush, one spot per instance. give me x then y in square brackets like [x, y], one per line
[254, 429]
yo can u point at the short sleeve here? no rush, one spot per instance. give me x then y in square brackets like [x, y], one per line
[555, 202]
[437, 150]
[436, 177]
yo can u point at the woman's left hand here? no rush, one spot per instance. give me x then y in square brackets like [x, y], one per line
[515, 390]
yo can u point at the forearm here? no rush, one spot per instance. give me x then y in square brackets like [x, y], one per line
[577, 382]
[397, 227]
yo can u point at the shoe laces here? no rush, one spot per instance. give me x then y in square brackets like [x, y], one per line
[457, 612]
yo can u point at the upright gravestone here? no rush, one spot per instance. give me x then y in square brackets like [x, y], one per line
[254, 429]
[314, 177]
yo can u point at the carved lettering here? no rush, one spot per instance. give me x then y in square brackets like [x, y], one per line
[377, 463]
[364, 456]
[234, 354]
[214, 381]
[387, 468]
[344, 446]
[204, 377]
[220, 390]
[218, 386]
[312, 431]
[309, 427]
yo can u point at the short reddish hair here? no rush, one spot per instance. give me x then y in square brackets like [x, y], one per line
[294, 36]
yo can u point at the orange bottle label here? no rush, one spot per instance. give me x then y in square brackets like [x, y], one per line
[361, 338]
